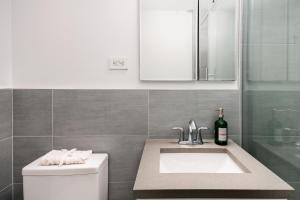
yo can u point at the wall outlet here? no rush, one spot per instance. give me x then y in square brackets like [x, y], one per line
[118, 63]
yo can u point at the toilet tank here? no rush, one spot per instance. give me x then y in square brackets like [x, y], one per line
[67, 182]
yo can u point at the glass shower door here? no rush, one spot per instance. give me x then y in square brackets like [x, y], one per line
[271, 86]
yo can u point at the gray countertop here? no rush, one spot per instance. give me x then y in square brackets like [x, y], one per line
[257, 181]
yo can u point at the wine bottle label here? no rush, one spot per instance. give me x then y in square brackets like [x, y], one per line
[222, 134]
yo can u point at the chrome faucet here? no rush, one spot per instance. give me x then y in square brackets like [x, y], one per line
[193, 134]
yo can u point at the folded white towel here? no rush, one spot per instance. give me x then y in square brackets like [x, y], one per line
[65, 157]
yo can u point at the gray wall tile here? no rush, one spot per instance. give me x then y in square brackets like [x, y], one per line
[32, 112]
[121, 191]
[260, 105]
[26, 150]
[175, 108]
[100, 112]
[116, 122]
[6, 144]
[296, 196]
[267, 24]
[274, 21]
[273, 58]
[124, 152]
[6, 162]
[6, 194]
[212, 99]
[236, 138]
[5, 113]
[294, 60]
[18, 191]
[294, 19]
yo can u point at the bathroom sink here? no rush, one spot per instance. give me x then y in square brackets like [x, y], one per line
[207, 162]
[169, 170]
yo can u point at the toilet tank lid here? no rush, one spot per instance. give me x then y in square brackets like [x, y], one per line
[92, 166]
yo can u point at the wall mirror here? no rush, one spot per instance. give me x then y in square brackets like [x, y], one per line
[188, 40]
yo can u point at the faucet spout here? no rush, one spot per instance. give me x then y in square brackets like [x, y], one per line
[192, 133]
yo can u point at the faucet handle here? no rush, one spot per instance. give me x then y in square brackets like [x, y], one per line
[202, 128]
[181, 133]
[199, 135]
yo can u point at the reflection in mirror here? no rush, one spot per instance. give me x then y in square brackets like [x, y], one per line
[220, 21]
[185, 40]
[168, 40]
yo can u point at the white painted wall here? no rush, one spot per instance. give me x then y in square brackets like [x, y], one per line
[67, 44]
[5, 44]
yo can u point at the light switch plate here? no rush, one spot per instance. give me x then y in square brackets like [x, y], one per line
[118, 63]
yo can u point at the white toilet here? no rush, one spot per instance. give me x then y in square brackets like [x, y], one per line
[67, 182]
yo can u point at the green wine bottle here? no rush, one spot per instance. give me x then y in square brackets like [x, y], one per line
[221, 129]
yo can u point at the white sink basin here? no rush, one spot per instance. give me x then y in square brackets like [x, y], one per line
[198, 163]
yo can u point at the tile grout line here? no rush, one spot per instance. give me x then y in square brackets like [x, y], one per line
[78, 136]
[240, 96]
[147, 113]
[12, 142]
[33, 136]
[52, 117]
[12, 109]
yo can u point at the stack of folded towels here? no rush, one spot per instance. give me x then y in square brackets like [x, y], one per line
[65, 157]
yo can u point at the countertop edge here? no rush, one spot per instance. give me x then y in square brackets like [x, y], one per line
[255, 194]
